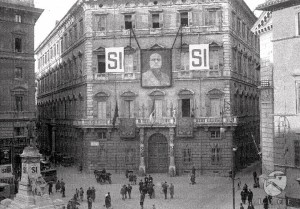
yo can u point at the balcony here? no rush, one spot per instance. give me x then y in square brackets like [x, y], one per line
[17, 115]
[160, 122]
[116, 76]
[266, 84]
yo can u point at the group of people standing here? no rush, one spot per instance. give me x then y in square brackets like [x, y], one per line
[60, 186]
[247, 194]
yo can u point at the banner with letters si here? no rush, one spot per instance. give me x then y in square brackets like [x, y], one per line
[114, 59]
[199, 56]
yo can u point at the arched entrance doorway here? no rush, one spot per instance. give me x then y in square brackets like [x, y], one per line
[158, 154]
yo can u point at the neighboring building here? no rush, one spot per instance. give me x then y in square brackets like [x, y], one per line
[17, 78]
[186, 118]
[264, 29]
[286, 94]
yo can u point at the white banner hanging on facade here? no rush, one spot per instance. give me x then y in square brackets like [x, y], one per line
[114, 59]
[5, 171]
[199, 56]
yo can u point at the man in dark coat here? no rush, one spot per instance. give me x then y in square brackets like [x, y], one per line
[93, 194]
[107, 201]
[254, 176]
[129, 188]
[141, 185]
[146, 180]
[63, 190]
[193, 170]
[243, 196]
[50, 187]
[90, 202]
[250, 196]
[266, 202]
[88, 193]
[142, 200]
[165, 189]
[150, 179]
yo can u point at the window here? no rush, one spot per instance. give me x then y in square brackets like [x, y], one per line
[215, 107]
[18, 72]
[215, 154]
[70, 36]
[101, 63]
[215, 134]
[102, 110]
[214, 59]
[187, 155]
[233, 21]
[80, 28]
[185, 61]
[184, 19]
[18, 18]
[75, 32]
[128, 21]
[239, 62]
[129, 63]
[102, 23]
[158, 108]
[243, 30]
[297, 153]
[238, 26]
[186, 107]
[155, 20]
[19, 131]
[18, 45]
[19, 103]
[101, 135]
[66, 41]
[213, 17]
[234, 60]
[129, 109]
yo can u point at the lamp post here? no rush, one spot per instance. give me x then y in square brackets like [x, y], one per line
[234, 149]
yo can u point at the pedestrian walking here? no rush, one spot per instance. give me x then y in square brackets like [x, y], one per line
[122, 192]
[165, 189]
[93, 194]
[243, 197]
[242, 207]
[150, 179]
[90, 202]
[141, 184]
[81, 192]
[50, 185]
[171, 190]
[266, 202]
[254, 176]
[63, 190]
[142, 200]
[270, 199]
[239, 183]
[57, 186]
[250, 196]
[88, 193]
[193, 179]
[129, 188]
[107, 201]
[126, 191]
[194, 170]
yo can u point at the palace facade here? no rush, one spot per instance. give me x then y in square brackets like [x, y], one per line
[17, 79]
[129, 120]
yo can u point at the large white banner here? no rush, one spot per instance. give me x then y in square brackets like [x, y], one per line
[114, 59]
[199, 56]
[5, 170]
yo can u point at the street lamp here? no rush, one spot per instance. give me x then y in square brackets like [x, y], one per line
[234, 149]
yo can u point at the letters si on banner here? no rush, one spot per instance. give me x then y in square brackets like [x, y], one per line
[114, 59]
[199, 56]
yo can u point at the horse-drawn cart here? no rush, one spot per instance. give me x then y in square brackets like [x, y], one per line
[102, 176]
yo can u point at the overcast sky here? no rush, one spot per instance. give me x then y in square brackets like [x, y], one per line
[56, 9]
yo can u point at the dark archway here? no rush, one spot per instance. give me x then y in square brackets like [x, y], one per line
[158, 160]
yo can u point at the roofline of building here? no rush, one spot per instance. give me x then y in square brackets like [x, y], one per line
[276, 5]
[247, 8]
[34, 10]
[58, 25]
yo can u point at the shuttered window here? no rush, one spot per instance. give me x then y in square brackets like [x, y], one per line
[102, 110]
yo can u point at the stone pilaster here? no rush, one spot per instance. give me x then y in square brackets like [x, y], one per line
[172, 169]
[142, 167]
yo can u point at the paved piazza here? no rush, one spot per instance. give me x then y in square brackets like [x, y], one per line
[209, 193]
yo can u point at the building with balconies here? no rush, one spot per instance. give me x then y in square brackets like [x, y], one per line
[17, 79]
[280, 96]
[129, 120]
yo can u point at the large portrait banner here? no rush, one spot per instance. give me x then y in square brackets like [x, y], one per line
[156, 68]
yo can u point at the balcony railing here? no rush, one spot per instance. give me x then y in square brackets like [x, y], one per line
[17, 115]
[164, 121]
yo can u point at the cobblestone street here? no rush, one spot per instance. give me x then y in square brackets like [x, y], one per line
[209, 192]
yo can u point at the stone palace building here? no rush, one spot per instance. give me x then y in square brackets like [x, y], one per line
[131, 120]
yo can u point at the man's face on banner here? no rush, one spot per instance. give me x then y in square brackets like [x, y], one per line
[155, 61]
